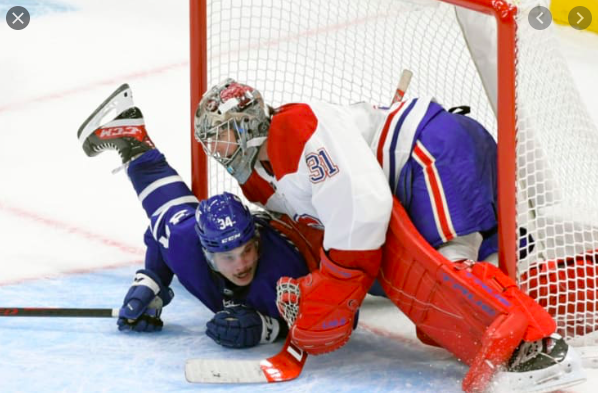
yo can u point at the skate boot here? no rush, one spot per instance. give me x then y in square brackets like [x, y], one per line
[541, 366]
[116, 125]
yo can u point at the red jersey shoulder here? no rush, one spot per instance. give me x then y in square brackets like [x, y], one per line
[291, 127]
[256, 189]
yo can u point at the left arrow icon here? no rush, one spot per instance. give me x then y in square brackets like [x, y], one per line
[539, 17]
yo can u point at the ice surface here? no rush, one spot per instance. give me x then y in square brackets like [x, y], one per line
[71, 233]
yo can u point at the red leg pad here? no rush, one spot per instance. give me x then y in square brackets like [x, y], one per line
[505, 334]
[423, 337]
[540, 324]
[462, 308]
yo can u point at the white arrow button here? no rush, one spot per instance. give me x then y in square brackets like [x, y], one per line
[580, 18]
[539, 16]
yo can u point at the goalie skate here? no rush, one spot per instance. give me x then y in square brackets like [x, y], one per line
[117, 125]
[540, 366]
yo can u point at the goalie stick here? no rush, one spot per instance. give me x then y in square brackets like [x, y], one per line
[284, 366]
[59, 312]
[402, 86]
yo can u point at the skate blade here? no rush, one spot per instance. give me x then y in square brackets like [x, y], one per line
[567, 373]
[119, 101]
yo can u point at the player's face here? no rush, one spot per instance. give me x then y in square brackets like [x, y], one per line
[238, 265]
[224, 144]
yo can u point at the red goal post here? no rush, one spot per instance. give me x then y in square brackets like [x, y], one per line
[510, 74]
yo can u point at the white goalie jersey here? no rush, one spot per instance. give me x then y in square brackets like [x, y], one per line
[323, 172]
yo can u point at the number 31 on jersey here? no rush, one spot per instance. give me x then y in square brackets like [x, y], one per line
[320, 166]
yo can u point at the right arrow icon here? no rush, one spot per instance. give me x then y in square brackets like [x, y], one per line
[580, 18]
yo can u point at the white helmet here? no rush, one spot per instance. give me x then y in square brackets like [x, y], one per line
[231, 123]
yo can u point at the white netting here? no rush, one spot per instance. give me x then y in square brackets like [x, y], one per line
[348, 51]
[341, 52]
[556, 145]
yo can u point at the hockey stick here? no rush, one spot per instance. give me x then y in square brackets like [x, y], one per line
[59, 312]
[402, 87]
[284, 366]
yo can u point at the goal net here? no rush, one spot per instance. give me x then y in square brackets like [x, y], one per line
[480, 53]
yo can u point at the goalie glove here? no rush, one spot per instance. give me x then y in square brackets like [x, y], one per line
[143, 303]
[321, 307]
[239, 326]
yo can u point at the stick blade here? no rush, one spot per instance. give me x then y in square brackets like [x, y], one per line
[284, 366]
[224, 371]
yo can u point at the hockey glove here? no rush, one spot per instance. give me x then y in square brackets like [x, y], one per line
[321, 307]
[143, 303]
[239, 326]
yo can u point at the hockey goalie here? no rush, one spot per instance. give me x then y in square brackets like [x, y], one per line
[300, 159]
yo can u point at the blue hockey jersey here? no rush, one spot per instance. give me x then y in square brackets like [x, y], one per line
[173, 247]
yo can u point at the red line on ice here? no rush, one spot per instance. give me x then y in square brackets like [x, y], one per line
[112, 82]
[174, 66]
[387, 333]
[70, 228]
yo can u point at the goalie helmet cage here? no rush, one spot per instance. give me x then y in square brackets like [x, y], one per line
[349, 51]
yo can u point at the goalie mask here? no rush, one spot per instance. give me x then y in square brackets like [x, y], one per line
[231, 123]
[223, 223]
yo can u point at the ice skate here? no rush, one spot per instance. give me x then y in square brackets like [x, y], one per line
[116, 125]
[540, 366]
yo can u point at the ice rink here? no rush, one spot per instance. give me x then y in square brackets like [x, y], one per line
[71, 233]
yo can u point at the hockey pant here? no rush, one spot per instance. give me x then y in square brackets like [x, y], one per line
[471, 309]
